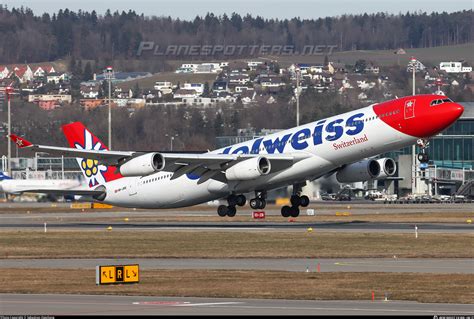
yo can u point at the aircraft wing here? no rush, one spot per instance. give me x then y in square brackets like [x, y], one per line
[211, 165]
[204, 165]
[67, 191]
[105, 157]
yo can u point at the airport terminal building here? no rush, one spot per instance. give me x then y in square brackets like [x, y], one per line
[451, 166]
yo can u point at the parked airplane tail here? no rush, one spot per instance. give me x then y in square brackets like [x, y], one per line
[81, 138]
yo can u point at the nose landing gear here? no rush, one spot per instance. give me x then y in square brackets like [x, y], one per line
[423, 157]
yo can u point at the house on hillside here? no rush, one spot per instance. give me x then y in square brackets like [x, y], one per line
[185, 93]
[239, 78]
[455, 67]
[23, 73]
[57, 77]
[164, 87]
[220, 86]
[89, 104]
[90, 91]
[271, 81]
[253, 65]
[198, 87]
[371, 68]
[4, 72]
[43, 70]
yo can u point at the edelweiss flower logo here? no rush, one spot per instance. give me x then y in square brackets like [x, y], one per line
[92, 169]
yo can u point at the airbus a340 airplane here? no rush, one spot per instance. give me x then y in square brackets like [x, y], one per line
[342, 144]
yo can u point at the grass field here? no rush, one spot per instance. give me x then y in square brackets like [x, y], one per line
[172, 77]
[455, 218]
[449, 288]
[215, 244]
[431, 56]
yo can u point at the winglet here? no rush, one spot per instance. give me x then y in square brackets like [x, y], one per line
[21, 142]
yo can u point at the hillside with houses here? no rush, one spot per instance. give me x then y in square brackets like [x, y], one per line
[249, 83]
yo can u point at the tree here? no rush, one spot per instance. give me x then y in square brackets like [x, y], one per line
[136, 91]
[235, 122]
[218, 125]
[360, 66]
[88, 74]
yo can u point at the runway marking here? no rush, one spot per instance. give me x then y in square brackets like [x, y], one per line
[160, 303]
[389, 265]
[209, 304]
[182, 303]
[229, 305]
[348, 309]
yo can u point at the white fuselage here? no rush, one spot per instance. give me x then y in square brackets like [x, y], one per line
[18, 186]
[344, 142]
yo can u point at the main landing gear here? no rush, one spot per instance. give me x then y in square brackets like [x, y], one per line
[232, 201]
[296, 201]
[259, 202]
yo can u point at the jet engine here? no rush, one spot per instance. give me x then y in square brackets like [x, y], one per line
[388, 167]
[248, 169]
[359, 172]
[143, 165]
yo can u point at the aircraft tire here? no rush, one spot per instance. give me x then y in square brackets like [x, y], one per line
[232, 200]
[295, 200]
[222, 210]
[285, 211]
[241, 200]
[294, 211]
[255, 203]
[304, 201]
[231, 211]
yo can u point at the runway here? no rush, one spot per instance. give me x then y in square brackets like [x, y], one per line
[354, 226]
[16, 304]
[204, 219]
[417, 265]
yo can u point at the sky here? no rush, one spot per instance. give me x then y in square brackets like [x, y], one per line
[188, 9]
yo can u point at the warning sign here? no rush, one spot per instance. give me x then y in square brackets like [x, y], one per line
[123, 274]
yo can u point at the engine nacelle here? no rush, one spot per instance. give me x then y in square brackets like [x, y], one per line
[388, 167]
[249, 169]
[359, 172]
[143, 165]
[102, 196]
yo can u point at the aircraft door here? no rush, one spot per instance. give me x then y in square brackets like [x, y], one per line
[132, 186]
[409, 109]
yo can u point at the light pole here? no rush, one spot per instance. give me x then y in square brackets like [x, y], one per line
[298, 97]
[8, 93]
[171, 140]
[109, 75]
[414, 189]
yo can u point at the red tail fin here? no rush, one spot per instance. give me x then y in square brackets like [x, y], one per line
[80, 137]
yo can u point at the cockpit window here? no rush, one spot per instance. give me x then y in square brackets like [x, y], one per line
[437, 102]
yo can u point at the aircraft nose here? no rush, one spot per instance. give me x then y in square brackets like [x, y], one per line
[456, 110]
[445, 116]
